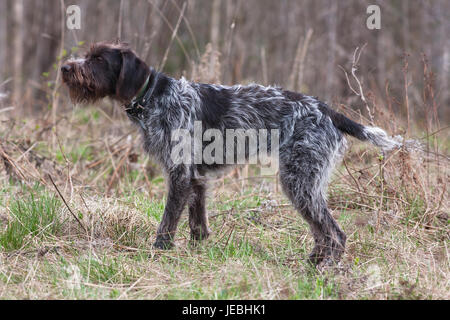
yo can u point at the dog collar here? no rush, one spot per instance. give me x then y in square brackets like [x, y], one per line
[135, 108]
[142, 91]
[147, 89]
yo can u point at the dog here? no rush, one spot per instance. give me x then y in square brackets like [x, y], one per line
[310, 134]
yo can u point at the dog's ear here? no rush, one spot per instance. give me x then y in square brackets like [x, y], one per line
[132, 75]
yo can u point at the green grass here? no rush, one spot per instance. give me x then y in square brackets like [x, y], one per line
[106, 270]
[34, 216]
[78, 152]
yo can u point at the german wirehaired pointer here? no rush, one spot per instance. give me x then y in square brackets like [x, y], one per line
[311, 136]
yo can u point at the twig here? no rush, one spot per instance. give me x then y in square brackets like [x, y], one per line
[116, 171]
[359, 92]
[26, 152]
[171, 28]
[64, 200]
[119, 27]
[229, 235]
[264, 65]
[12, 163]
[100, 161]
[303, 57]
[406, 84]
[55, 99]
[296, 77]
[351, 175]
[188, 25]
[380, 209]
[174, 33]
[6, 109]
[130, 288]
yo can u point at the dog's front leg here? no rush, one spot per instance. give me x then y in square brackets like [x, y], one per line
[179, 191]
[198, 218]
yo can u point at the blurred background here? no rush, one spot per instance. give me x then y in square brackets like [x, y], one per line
[304, 45]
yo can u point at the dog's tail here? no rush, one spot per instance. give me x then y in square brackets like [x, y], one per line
[374, 135]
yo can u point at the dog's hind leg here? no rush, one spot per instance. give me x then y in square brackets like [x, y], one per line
[305, 164]
[198, 218]
[180, 188]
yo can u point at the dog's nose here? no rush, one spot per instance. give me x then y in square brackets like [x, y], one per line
[66, 68]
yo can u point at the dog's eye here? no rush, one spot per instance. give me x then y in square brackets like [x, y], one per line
[99, 58]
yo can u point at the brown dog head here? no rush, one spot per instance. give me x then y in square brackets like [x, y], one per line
[108, 69]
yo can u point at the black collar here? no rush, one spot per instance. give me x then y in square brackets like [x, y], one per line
[146, 92]
[136, 107]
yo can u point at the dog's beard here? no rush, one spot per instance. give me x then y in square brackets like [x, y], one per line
[82, 87]
[82, 94]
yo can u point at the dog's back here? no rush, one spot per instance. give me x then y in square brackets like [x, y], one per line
[310, 137]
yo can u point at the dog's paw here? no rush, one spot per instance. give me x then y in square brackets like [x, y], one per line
[315, 258]
[323, 263]
[199, 235]
[163, 244]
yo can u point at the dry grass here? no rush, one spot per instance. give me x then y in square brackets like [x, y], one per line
[394, 210]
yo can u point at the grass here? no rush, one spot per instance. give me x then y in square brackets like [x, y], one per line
[396, 220]
[31, 217]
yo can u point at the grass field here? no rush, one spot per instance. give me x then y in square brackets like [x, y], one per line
[94, 240]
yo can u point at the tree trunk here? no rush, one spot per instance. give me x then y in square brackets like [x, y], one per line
[331, 61]
[18, 34]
